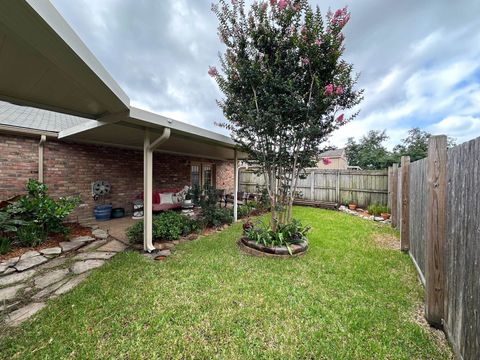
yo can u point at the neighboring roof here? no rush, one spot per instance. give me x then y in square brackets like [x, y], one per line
[336, 153]
[36, 119]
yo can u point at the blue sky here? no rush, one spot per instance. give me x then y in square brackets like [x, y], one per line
[418, 60]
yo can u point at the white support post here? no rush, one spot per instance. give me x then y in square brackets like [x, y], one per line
[147, 193]
[41, 146]
[235, 191]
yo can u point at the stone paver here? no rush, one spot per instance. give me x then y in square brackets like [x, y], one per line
[114, 245]
[29, 254]
[93, 245]
[163, 253]
[18, 316]
[100, 234]
[82, 239]
[83, 266]
[49, 289]
[9, 306]
[4, 265]
[25, 264]
[53, 263]
[68, 245]
[95, 255]
[8, 271]
[10, 292]
[17, 277]
[52, 251]
[50, 278]
[69, 285]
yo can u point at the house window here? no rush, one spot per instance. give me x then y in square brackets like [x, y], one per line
[195, 175]
[207, 176]
[201, 175]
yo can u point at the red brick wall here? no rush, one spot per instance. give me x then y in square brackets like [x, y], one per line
[69, 169]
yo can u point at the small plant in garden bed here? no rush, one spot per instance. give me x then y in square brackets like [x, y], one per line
[378, 210]
[286, 234]
[29, 220]
[168, 225]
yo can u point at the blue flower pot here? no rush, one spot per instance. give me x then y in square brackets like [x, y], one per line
[102, 212]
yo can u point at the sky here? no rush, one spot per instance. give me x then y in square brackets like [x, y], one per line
[418, 60]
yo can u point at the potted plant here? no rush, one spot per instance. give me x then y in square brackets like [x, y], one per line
[352, 205]
[188, 198]
[385, 213]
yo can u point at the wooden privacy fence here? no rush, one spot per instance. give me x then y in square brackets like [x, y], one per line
[364, 187]
[438, 212]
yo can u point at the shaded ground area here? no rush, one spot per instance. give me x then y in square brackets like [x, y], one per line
[347, 298]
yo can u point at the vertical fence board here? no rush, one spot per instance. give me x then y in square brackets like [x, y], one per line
[405, 201]
[394, 205]
[435, 247]
[418, 213]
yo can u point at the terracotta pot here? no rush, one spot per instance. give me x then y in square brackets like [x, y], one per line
[385, 216]
[352, 206]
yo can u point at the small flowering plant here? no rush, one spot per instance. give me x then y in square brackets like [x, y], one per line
[286, 87]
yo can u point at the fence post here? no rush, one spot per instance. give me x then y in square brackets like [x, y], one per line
[436, 230]
[389, 187]
[405, 218]
[337, 188]
[312, 185]
[394, 207]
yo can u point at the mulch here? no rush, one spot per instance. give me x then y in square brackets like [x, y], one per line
[53, 240]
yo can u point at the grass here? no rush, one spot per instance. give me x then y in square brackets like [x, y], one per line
[347, 298]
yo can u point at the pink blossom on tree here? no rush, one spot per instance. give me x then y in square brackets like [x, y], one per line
[212, 71]
[326, 161]
[339, 90]
[305, 60]
[282, 4]
[340, 119]
[273, 2]
[329, 89]
[318, 42]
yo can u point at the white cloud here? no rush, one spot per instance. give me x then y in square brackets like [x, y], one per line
[418, 60]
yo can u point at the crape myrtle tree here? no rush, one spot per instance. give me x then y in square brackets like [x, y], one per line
[285, 87]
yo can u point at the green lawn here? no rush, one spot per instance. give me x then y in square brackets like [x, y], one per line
[347, 298]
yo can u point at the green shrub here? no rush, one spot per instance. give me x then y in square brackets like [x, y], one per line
[213, 215]
[168, 225]
[9, 224]
[286, 234]
[31, 235]
[377, 209]
[4, 245]
[42, 210]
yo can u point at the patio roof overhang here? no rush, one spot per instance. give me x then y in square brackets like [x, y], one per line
[128, 131]
[44, 64]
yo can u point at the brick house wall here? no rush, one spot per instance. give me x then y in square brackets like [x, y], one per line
[70, 168]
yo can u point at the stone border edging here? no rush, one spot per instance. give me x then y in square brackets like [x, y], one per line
[255, 249]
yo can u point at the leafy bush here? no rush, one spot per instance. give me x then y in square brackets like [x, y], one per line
[377, 209]
[212, 215]
[4, 245]
[42, 210]
[168, 225]
[9, 224]
[286, 234]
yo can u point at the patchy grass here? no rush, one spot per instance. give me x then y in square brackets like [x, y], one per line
[347, 298]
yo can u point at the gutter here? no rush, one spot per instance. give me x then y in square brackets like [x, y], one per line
[41, 146]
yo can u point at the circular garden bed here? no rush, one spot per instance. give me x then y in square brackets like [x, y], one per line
[253, 248]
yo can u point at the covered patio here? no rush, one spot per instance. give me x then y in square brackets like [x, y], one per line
[44, 64]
